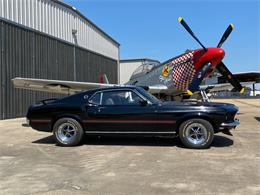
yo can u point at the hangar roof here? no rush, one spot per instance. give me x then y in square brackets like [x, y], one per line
[89, 21]
[61, 21]
[251, 76]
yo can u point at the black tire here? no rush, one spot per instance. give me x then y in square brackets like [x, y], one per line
[193, 139]
[68, 132]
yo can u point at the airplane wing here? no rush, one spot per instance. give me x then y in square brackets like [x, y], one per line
[222, 86]
[70, 87]
[56, 86]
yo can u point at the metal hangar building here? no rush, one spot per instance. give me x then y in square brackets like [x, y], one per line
[49, 39]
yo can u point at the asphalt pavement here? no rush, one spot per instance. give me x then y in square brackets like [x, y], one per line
[31, 163]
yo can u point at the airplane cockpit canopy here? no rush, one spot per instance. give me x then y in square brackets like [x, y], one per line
[144, 69]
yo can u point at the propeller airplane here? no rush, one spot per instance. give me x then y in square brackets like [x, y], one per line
[181, 75]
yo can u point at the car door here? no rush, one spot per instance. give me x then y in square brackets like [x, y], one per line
[120, 111]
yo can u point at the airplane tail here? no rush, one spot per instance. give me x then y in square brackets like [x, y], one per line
[103, 79]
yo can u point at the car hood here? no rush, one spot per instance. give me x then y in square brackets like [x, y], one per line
[195, 104]
[226, 106]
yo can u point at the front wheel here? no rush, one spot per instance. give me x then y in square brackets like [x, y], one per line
[196, 133]
[68, 132]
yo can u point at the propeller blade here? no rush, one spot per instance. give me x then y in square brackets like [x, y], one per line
[198, 78]
[225, 35]
[221, 67]
[185, 25]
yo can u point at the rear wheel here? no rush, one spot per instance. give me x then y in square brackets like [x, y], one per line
[196, 133]
[68, 132]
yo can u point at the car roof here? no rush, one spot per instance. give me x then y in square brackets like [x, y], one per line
[118, 87]
[92, 91]
[112, 88]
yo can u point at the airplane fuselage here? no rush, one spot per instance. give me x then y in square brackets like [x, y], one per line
[178, 73]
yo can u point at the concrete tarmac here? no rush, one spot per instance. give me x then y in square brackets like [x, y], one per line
[31, 163]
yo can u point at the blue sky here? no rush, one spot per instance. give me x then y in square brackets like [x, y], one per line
[149, 28]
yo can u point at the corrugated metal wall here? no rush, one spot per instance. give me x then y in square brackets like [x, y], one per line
[25, 53]
[59, 20]
[98, 66]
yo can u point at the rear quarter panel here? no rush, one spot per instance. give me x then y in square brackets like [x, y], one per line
[42, 117]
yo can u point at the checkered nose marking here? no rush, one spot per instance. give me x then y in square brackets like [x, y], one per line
[183, 71]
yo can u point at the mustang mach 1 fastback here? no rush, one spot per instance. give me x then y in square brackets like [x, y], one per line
[130, 110]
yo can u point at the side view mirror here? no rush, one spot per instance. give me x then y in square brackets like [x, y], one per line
[143, 103]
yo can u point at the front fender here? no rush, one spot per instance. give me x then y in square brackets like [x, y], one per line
[215, 119]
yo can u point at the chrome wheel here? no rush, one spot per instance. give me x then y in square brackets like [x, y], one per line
[66, 133]
[196, 133]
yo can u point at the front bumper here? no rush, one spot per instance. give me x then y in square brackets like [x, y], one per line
[229, 124]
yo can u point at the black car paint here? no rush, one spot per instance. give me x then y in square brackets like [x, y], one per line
[155, 117]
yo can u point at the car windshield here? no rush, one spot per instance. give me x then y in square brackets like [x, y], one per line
[149, 96]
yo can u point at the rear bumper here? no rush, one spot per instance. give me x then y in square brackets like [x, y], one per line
[229, 124]
[41, 125]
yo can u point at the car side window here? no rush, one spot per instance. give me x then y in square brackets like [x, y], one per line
[96, 99]
[121, 98]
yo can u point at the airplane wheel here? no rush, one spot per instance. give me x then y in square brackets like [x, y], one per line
[196, 133]
[68, 132]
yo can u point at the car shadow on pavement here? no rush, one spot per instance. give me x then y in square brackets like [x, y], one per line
[257, 118]
[219, 141]
[133, 141]
[46, 140]
[25, 125]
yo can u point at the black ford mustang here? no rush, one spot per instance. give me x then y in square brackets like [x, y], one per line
[130, 110]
